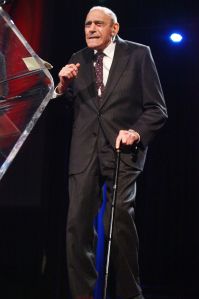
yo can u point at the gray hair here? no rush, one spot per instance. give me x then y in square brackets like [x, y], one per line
[107, 11]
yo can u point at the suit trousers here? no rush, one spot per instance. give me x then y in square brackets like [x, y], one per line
[84, 203]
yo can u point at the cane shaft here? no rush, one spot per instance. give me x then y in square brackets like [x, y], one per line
[115, 188]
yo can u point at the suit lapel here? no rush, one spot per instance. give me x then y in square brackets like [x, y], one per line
[120, 60]
[89, 76]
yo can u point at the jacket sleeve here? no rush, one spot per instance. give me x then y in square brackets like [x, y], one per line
[154, 108]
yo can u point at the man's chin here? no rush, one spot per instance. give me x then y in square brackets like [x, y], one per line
[93, 45]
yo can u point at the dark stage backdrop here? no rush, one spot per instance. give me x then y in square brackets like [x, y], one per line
[33, 196]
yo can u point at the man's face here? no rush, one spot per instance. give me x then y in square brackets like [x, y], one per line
[99, 29]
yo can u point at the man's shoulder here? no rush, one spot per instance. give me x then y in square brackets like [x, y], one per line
[132, 44]
[81, 55]
[83, 51]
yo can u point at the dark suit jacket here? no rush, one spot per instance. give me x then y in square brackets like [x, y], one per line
[133, 99]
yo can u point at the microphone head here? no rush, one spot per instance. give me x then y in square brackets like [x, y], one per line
[47, 64]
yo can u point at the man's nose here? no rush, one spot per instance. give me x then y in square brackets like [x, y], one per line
[92, 27]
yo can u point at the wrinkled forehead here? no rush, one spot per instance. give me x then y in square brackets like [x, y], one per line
[98, 15]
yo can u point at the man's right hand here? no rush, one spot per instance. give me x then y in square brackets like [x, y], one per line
[66, 75]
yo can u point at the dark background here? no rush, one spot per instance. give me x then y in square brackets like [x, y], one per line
[33, 192]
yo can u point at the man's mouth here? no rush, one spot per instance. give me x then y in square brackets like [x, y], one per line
[93, 37]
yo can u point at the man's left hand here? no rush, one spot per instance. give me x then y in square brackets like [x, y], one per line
[127, 137]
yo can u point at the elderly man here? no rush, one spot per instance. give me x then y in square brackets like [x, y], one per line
[118, 103]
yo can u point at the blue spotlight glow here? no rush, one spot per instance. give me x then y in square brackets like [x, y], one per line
[176, 37]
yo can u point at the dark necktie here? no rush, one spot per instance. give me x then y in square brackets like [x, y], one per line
[99, 73]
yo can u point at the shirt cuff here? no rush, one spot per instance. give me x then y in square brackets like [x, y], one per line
[56, 94]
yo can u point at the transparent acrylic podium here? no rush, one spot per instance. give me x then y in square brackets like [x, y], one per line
[26, 86]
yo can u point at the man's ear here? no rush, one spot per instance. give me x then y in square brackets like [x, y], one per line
[115, 29]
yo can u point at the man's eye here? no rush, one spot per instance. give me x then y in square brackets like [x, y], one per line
[99, 23]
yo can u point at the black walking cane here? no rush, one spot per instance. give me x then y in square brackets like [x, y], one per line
[115, 187]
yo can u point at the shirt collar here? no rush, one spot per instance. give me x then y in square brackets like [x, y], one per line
[109, 50]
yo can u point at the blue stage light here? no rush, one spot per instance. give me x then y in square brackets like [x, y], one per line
[176, 37]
